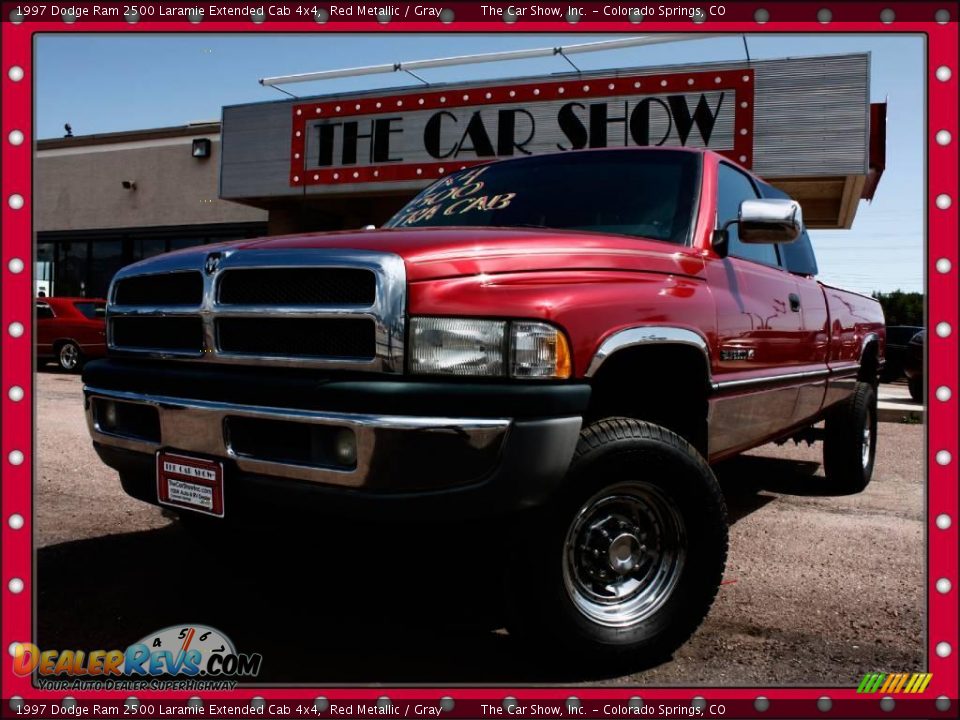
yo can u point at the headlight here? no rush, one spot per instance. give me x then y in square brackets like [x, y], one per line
[451, 346]
[491, 348]
[538, 350]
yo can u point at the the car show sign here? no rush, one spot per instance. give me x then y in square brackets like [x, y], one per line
[804, 122]
[429, 133]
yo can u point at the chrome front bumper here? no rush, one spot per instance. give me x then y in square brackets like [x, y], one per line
[202, 427]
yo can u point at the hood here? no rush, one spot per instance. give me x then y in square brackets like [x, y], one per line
[431, 253]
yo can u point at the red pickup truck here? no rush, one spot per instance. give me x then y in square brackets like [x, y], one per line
[565, 342]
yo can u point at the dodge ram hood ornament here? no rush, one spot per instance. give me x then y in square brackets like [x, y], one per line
[212, 263]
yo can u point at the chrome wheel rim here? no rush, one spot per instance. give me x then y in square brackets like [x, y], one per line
[867, 441]
[623, 554]
[68, 357]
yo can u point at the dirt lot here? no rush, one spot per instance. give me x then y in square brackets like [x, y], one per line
[819, 588]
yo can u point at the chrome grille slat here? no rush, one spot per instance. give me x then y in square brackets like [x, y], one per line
[382, 351]
[297, 287]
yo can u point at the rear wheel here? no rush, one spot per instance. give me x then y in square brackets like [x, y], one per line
[626, 564]
[850, 440]
[69, 357]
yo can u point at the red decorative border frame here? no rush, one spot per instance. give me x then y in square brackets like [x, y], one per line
[740, 81]
[846, 16]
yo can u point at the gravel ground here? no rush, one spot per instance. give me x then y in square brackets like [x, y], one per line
[819, 588]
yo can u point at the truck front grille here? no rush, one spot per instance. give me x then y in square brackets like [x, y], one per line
[177, 334]
[298, 286]
[306, 307]
[298, 337]
[175, 288]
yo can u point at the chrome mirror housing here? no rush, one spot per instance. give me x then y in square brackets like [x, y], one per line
[769, 220]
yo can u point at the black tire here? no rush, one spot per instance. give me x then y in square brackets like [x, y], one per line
[915, 384]
[69, 357]
[551, 577]
[850, 440]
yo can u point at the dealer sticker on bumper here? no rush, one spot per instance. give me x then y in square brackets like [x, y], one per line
[190, 482]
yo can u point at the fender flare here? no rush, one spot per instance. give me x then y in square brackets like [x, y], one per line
[648, 335]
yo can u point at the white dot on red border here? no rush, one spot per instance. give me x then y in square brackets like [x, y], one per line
[15, 201]
[15, 266]
[15, 137]
[761, 16]
[943, 649]
[15, 457]
[943, 73]
[15, 393]
[943, 393]
[15, 73]
[944, 137]
[944, 586]
[824, 15]
[943, 521]
[15, 521]
[943, 457]
[944, 201]
[15, 586]
[944, 265]
[15, 329]
[943, 329]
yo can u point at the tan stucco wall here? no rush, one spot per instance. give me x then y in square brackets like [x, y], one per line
[80, 188]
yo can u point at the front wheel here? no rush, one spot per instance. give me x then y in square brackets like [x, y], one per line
[626, 564]
[850, 440]
[69, 357]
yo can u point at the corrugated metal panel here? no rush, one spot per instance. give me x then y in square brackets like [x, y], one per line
[811, 119]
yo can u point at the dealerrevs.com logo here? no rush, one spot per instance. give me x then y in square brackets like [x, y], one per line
[178, 657]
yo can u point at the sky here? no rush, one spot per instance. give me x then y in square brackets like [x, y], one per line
[108, 83]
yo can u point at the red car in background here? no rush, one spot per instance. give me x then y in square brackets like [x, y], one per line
[70, 330]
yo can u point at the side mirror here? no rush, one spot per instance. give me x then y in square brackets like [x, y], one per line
[769, 220]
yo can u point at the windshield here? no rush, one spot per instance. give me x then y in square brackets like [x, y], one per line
[648, 194]
[92, 310]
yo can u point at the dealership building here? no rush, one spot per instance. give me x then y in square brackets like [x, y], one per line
[805, 125]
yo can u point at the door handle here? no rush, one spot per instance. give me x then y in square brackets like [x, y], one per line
[794, 302]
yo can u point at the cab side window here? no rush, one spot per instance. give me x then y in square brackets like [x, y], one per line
[735, 187]
[44, 311]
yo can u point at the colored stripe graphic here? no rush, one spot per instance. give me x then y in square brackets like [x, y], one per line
[890, 682]
[870, 682]
[899, 686]
[894, 683]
